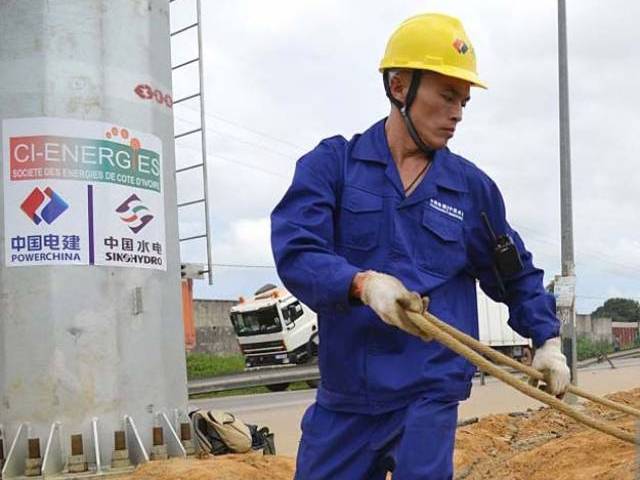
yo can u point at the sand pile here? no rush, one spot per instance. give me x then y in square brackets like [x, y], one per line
[544, 444]
[532, 445]
[224, 467]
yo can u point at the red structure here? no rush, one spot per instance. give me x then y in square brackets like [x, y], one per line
[187, 314]
[626, 333]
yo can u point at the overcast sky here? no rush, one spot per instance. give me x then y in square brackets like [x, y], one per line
[281, 75]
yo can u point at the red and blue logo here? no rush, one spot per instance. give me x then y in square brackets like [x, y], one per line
[132, 212]
[44, 205]
[460, 46]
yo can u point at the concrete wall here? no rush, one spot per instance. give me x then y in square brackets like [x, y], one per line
[597, 329]
[214, 332]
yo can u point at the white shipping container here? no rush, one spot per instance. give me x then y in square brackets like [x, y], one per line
[492, 324]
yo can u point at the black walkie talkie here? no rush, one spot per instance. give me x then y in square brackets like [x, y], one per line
[505, 255]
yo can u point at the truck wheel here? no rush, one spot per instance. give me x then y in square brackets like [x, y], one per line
[312, 347]
[313, 383]
[278, 387]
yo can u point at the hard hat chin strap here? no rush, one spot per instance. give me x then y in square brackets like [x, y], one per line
[404, 108]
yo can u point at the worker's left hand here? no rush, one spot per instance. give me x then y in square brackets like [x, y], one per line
[550, 360]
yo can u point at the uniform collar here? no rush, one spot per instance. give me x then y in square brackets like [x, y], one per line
[446, 170]
[372, 145]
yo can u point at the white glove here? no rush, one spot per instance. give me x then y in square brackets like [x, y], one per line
[389, 298]
[550, 360]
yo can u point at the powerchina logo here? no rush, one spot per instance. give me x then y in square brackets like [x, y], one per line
[132, 212]
[44, 205]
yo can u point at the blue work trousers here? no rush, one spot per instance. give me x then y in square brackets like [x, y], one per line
[414, 443]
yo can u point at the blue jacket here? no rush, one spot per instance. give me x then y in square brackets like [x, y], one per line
[346, 212]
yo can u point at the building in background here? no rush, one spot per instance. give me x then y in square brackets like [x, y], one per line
[596, 329]
[603, 329]
[214, 332]
[625, 334]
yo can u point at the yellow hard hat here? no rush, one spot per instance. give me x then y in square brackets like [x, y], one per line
[435, 42]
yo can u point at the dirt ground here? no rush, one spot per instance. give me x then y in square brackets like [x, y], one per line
[544, 444]
[532, 445]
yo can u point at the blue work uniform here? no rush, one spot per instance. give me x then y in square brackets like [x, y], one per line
[346, 212]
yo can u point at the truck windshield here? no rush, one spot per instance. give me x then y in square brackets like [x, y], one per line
[258, 322]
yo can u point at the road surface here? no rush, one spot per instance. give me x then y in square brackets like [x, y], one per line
[282, 411]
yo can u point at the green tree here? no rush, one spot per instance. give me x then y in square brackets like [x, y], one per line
[619, 310]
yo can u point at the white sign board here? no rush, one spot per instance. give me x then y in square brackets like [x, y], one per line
[82, 193]
[564, 290]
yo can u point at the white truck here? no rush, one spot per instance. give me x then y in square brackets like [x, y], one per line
[274, 329]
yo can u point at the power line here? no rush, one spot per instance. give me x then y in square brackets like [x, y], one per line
[620, 268]
[240, 265]
[250, 166]
[239, 139]
[605, 298]
[538, 236]
[247, 165]
[246, 142]
[256, 132]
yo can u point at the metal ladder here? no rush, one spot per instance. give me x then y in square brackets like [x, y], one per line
[202, 131]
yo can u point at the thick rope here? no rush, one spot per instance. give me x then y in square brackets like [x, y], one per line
[503, 359]
[426, 325]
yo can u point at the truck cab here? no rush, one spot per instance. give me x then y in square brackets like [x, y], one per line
[274, 328]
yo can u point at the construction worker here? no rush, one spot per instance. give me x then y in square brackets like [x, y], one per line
[372, 224]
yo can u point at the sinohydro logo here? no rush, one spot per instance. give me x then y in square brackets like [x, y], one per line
[134, 213]
[44, 205]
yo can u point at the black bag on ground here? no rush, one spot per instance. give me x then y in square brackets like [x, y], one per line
[221, 432]
[262, 439]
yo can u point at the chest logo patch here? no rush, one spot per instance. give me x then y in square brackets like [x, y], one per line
[446, 209]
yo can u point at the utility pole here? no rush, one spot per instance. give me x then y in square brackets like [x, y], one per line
[565, 286]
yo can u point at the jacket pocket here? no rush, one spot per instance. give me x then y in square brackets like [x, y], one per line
[360, 219]
[439, 245]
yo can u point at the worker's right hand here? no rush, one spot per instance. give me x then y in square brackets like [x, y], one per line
[388, 297]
